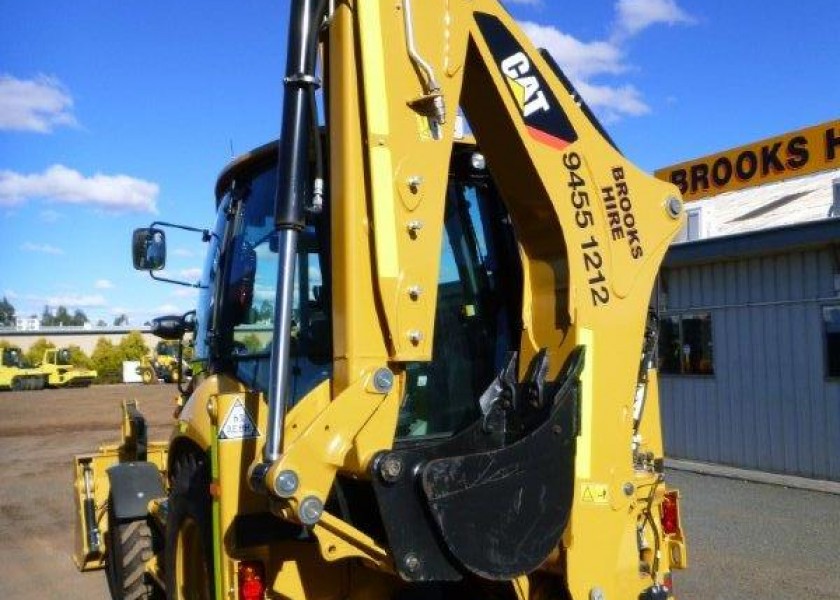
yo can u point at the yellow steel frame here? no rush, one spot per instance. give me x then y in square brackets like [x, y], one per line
[592, 230]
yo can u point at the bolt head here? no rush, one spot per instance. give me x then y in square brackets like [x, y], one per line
[310, 510]
[411, 562]
[383, 380]
[674, 207]
[391, 468]
[414, 183]
[629, 489]
[286, 483]
[415, 336]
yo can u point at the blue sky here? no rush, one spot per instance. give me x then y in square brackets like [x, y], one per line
[113, 114]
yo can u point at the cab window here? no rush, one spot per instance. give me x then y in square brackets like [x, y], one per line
[477, 319]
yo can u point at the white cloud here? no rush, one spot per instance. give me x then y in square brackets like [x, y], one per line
[67, 186]
[38, 105]
[41, 248]
[584, 62]
[168, 308]
[577, 59]
[76, 301]
[635, 15]
[613, 102]
[103, 284]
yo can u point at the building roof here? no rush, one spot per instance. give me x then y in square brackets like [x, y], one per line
[807, 198]
[810, 234]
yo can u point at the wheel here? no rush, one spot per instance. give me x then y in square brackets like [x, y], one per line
[148, 376]
[189, 550]
[129, 547]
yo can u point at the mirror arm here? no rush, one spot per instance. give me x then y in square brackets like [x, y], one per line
[177, 281]
[206, 234]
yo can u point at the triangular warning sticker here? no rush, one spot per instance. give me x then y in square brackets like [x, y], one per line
[587, 495]
[238, 424]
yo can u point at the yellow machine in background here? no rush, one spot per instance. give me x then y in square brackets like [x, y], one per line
[426, 363]
[16, 375]
[164, 365]
[60, 371]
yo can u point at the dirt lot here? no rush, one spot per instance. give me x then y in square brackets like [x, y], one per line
[39, 434]
[745, 540]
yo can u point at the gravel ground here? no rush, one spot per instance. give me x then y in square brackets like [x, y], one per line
[745, 540]
[39, 434]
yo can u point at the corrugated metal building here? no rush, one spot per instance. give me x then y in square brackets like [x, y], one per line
[758, 393]
[749, 346]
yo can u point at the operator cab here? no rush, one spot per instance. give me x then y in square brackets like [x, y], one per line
[479, 294]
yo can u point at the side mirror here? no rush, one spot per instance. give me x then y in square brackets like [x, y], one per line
[148, 249]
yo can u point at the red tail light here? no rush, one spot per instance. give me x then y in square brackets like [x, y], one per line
[670, 513]
[251, 580]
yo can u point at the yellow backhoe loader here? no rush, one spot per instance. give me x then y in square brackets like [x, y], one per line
[60, 371]
[164, 365]
[424, 364]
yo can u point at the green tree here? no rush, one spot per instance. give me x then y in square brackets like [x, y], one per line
[107, 360]
[78, 358]
[62, 317]
[121, 320]
[133, 347]
[35, 354]
[7, 313]
[265, 313]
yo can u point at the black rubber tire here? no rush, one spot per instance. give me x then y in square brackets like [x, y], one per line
[129, 548]
[148, 376]
[189, 501]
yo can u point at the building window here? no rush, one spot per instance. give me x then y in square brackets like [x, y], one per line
[685, 344]
[693, 228]
[831, 325]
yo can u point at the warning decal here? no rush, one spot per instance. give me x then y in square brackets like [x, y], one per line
[238, 424]
[595, 493]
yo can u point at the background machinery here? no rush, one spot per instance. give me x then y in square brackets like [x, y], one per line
[452, 393]
[165, 364]
[59, 370]
[15, 374]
